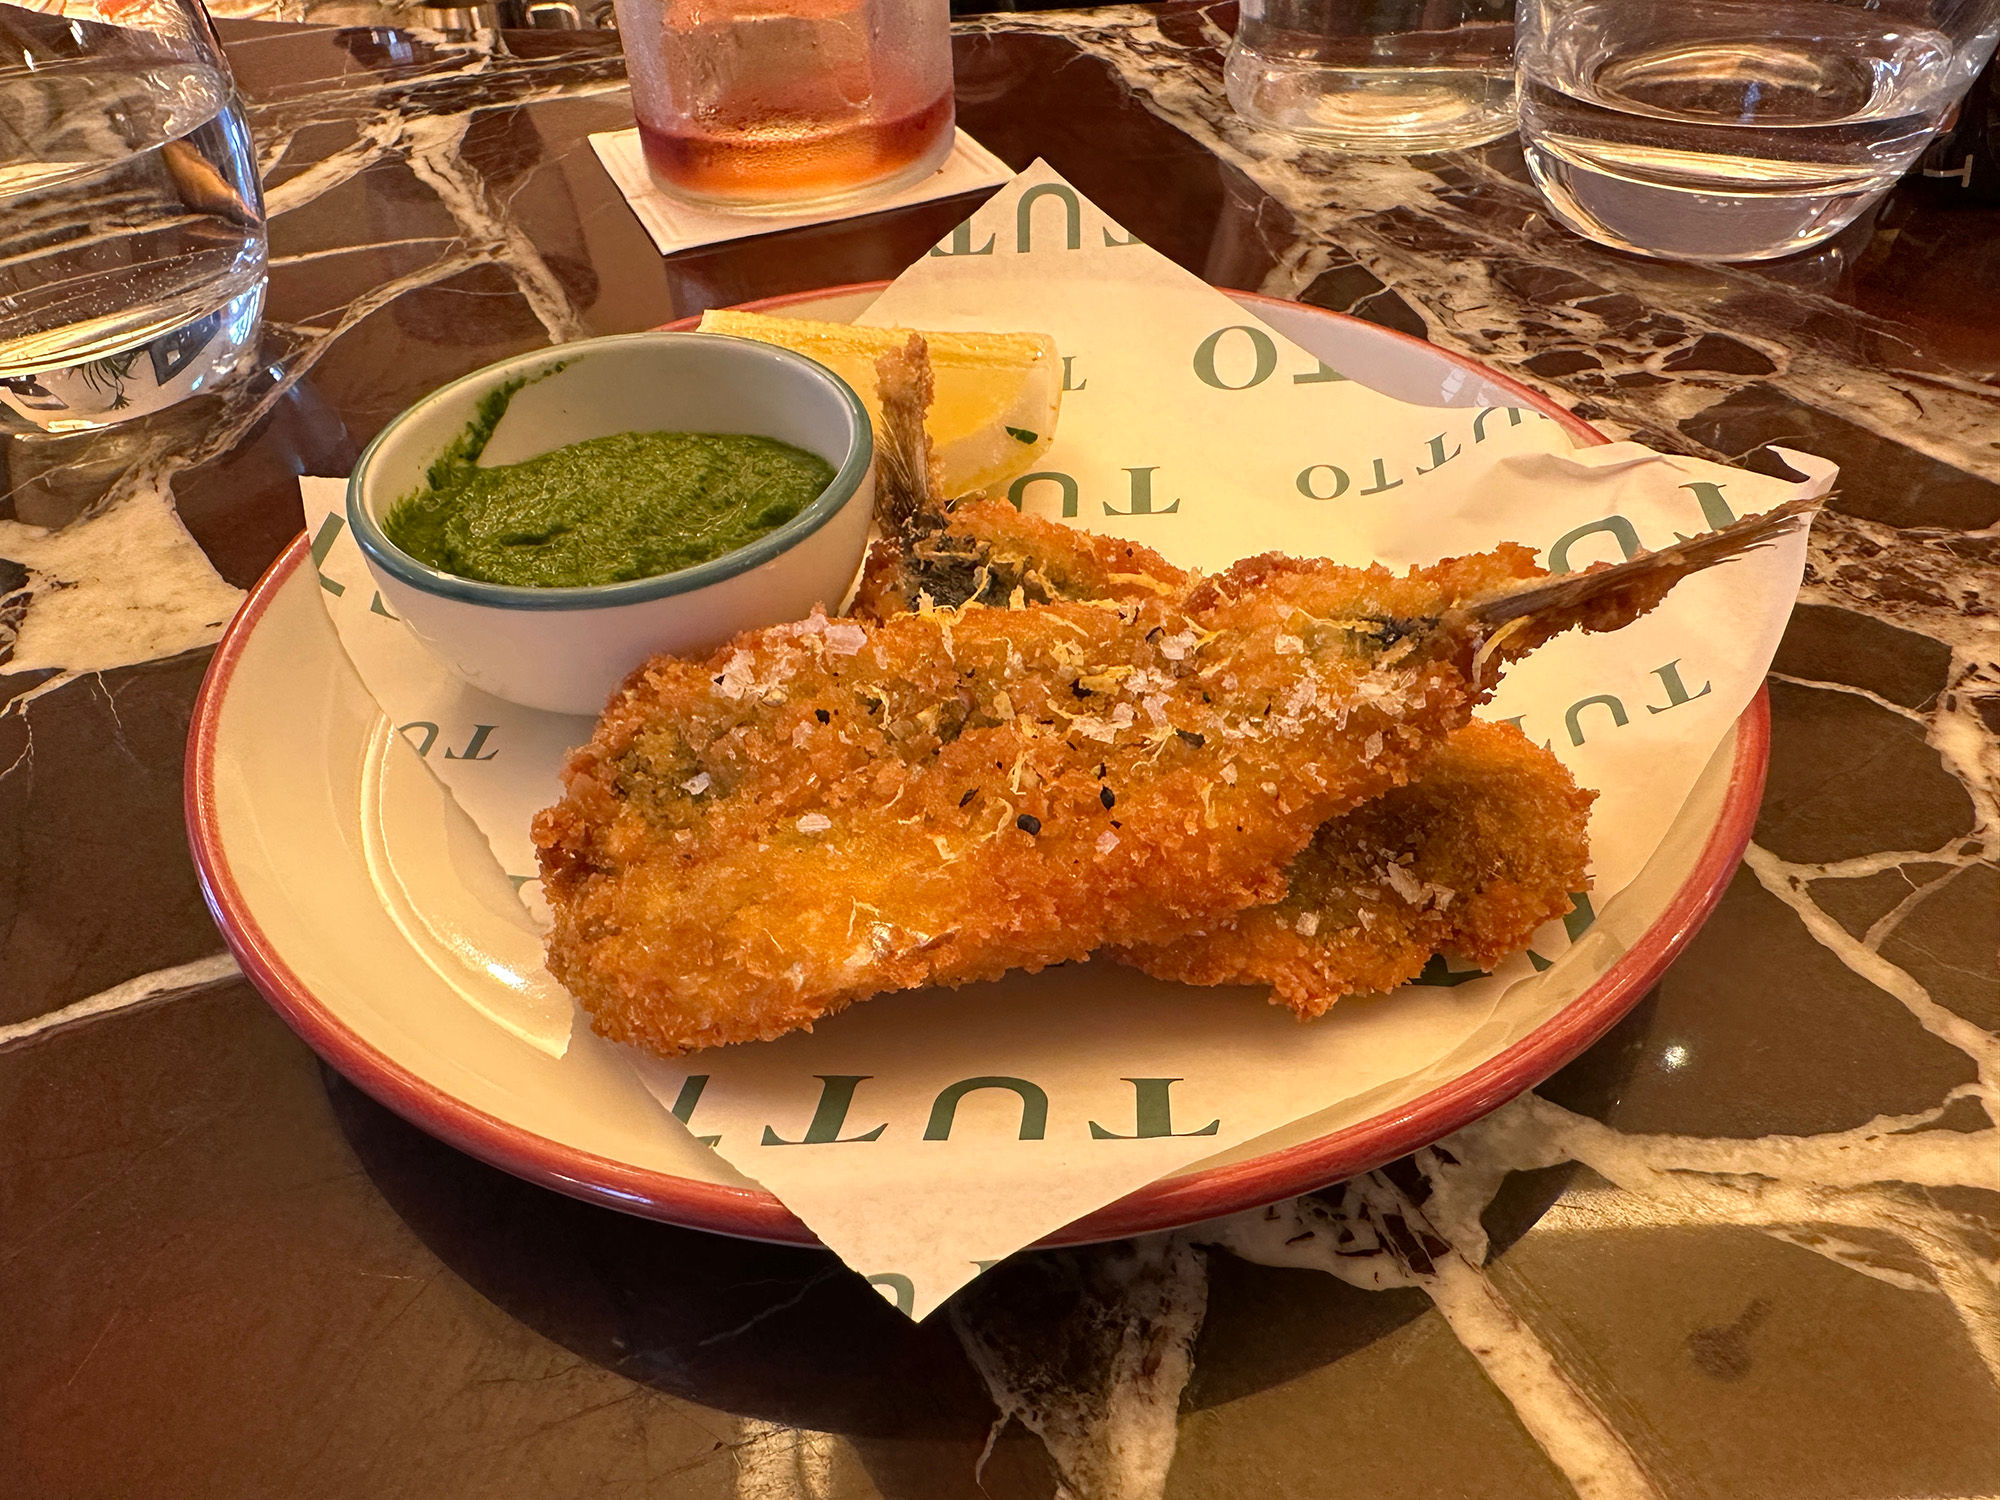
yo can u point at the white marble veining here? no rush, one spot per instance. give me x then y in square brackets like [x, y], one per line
[1397, 218]
[774, 1462]
[123, 586]
[1838, 1194]
[123, 583]
[162, 984]
[1842, 1194]
[1114, 1440]
[1374, 1237]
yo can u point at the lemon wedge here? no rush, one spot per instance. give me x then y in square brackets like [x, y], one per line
[994, 411]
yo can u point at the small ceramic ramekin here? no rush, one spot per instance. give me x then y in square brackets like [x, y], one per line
[566, 649]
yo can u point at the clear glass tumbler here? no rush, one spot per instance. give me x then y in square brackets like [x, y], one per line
[1735, 129]
[1376, 75]
[774, 105]
[131, 224]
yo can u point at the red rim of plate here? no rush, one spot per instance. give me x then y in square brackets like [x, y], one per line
[757, 1214]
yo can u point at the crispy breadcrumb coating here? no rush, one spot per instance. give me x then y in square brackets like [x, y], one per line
[830, 809]
[1472, 857]
[827, 810]
[1485, 846]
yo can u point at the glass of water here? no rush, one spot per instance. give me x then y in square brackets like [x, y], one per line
[1376, 76]
[1733, 130]
[131, 224]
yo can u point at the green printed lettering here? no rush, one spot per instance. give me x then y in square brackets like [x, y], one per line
[474, 745]
[1618, 715]
[836, 1097]
[1264, 357]
[1616, 526]
[1320, 375]
[377, 607]
[322, 543]
[1580, 915]
[1117, 244]
[1382, 481]
[1677, 693]
[1715, 511]
[1479, 422]
[430, 733]
[1018, 490]
[1142, 496]
[960, 243]
[1307, 488]
[1070, 383]
[1154, 1114]
[1439, 458]
[1034, 1106]
[895, 1288]
[1024, 214]
[1442, 975]
[687, 1099]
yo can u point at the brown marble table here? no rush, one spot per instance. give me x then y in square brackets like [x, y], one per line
[1745, 1247]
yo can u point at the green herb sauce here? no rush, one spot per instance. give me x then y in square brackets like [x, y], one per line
[634, 505]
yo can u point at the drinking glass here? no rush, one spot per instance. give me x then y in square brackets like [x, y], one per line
[1375, 75]
[774, 105]
[131, 224]
[1735, 129]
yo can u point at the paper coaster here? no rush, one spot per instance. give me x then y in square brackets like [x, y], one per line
[676, 225]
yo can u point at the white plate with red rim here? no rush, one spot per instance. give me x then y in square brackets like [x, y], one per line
[368, 910]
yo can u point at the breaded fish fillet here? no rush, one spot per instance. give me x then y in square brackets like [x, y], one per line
[1473, 856]
[826, 810]
[1482, 848]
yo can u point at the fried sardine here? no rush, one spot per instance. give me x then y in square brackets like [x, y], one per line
[826, 810]
[834, 808]
[1471, 857]
[1483, 847]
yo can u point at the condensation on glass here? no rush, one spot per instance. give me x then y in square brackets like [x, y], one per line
[132, 250]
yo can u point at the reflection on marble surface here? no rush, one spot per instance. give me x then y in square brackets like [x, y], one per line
[1746, 1246]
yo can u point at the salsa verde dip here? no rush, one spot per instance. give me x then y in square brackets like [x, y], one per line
[609, 509]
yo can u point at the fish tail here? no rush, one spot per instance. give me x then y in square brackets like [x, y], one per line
[1610, 595]
[907, 502]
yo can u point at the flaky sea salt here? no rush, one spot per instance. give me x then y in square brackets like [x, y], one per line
[814, 823]
[738, 674]
[844, 638]
[1406, 885]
